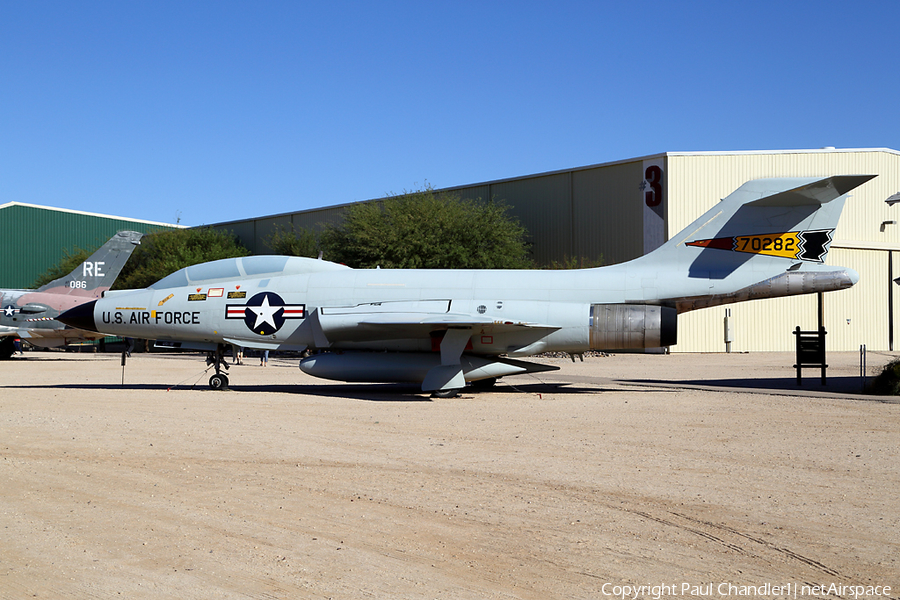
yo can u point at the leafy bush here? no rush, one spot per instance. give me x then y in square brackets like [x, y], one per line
[424, 229]
[164, 252]
[574, 263]
[887, 383]
[291, 241]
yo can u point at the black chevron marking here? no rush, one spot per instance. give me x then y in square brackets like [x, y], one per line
[814, 244]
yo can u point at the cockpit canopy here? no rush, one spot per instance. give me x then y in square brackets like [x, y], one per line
[245, 267]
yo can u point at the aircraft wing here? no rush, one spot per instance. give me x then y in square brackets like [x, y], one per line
[406, 320]
[53, 338]
[816, 192]
[329, 327]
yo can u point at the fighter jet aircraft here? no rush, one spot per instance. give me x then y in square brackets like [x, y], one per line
[31, 314]
[443, 329]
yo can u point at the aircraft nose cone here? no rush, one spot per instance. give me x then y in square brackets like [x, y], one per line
[80, 317]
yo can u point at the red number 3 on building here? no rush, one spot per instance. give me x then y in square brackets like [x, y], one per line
[653, 196]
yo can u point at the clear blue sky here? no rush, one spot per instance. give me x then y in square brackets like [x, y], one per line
[214, 111]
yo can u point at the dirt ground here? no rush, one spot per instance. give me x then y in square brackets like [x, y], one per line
[629, 470]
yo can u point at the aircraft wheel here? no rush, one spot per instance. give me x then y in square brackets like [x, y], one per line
[484, 384]
[7, 347]
[445, 393]
[218, 382]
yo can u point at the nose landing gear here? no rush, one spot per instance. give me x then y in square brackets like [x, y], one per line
[219, 381]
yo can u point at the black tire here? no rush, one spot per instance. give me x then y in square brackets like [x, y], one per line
[445, 393]
[484, 384]
[218, 382]
[7, 347]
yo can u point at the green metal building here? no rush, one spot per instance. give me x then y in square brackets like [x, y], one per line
[35, 238]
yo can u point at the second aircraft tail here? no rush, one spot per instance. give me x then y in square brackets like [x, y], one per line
[97, 274]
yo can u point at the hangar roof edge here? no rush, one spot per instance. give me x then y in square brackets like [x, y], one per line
[826, 150]
[89, 214]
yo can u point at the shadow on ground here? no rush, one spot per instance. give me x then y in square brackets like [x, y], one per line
[377, 392]
[808, 386]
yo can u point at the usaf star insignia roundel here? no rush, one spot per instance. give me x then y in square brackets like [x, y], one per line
[265, 313]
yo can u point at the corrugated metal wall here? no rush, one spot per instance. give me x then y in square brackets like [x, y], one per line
[589, 213]
[544, 206]
[33, 238]
[894, 295]
[860, 315]
[852, 317]
[607, 204]
[697, 181]
[756, 326]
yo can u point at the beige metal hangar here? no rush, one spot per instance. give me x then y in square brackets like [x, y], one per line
[620, 210]
[866, 240]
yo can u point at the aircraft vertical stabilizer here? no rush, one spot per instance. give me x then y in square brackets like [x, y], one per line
[100, 270]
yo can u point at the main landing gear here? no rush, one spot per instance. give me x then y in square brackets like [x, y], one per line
[219, 381]
[7, 347]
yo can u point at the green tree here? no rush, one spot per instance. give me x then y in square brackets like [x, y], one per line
[66, 265]
[424, 229]
[291, 241]
[166, 251]
[570, 262]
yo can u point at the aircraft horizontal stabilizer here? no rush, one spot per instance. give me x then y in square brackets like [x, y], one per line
[818, 192]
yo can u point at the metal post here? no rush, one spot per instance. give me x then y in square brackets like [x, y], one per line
[890, 300]
[822, 350]
[862, 366]
[728, 336]
[821, 306]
